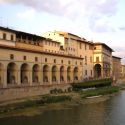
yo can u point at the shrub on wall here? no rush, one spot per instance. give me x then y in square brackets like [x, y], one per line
[92, 84]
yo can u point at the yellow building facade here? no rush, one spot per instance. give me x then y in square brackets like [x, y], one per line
[97, 62]
[74, 45]
[27, 61]
[102, 60]
[34, 65]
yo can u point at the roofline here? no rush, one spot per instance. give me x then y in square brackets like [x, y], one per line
[80, 39]
[117, 57]
[88, 42]
[74, 35]
[8, 29]
[21, 32]
[68, 33]
[99, 43]
[17, 31]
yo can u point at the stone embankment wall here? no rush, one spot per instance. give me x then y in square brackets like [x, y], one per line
[120, 81]
[14, 93]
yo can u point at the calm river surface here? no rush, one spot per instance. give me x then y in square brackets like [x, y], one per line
[109, 112]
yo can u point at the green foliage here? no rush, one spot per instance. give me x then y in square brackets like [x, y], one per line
[56, 91]
[92, 84]
[99, 91]
[32, 103]
[55, 99]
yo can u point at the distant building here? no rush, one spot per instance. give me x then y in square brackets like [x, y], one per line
[117, 68]
[123, 71]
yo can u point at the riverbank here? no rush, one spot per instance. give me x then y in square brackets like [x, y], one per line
[39, 104]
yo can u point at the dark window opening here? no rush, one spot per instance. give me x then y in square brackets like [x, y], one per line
[45, 59]
[12, 38]
[24, 57]
[11, 56]
[4, 36]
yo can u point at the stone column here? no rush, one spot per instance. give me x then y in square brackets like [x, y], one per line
[18, 77]
[41, 77]
[5, 78]
[30, 77]
[71, 75]
[1, 75]
[65, 76]
[50, 77]
[58, 77]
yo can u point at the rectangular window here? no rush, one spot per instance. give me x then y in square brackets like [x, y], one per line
[12, 37]
[11, 56]
[36, 59]
[85, 72]
[90, 59]
[24, 57]
[45, 59]
[54, 60]
[61, 61]
[4, 36]
[85, 60]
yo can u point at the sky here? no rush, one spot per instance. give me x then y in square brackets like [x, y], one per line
[95, 20]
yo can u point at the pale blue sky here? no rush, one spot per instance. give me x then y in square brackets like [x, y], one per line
[97, 20]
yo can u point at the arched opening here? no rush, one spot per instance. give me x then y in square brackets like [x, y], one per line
[69, 74]
[1, 73]
[24, 73]
[11, 73]
[62, 73]
[54, 74]
[45, 73]
[75, 74]
[35, 73]
[97, 70]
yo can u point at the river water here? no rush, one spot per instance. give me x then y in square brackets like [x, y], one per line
[109, 112]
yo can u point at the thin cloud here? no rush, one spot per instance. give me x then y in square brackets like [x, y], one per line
[91, 10]
[122, 28]
[102, 7]
[27, 14]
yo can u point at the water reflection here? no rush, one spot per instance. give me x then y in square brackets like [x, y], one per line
[110, 112]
